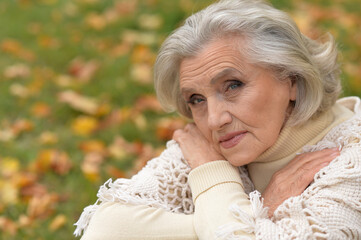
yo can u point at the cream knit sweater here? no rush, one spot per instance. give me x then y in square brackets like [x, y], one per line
[159, 202]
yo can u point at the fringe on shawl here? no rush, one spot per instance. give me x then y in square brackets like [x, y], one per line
[168, 166]
[247, 223]
[110, 192]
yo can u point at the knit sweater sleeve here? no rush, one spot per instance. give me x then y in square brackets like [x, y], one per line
[215, 186]
[329, 208]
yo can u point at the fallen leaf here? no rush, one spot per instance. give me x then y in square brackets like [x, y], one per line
[22, 125]
[55, 160]
[41, 110]
[19, 70]
[93, 146]
[142, 73]
[167, 126]
[116, 117]
[19, 90]
[9, 193]
[144, 38]
[8, 226]
[142, 54]
[24, 221]
[114, 172]
[84, 125]
[83, 70]
[41, 206]
[15, 48]
[150, 21]
[96, 21]
[9, 166]
[58, 222]
[91, 165]
[79, 102]
[48, 138]
[147, 102]
[121, 148]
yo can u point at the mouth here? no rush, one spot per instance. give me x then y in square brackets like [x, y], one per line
[231, 139]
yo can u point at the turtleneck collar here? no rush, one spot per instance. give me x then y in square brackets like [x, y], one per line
[291, 141]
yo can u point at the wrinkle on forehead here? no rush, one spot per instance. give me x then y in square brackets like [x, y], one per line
[225, 53]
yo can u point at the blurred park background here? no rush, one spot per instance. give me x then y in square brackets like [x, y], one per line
[77, 105]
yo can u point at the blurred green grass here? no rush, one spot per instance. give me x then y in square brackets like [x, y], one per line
[46, 36]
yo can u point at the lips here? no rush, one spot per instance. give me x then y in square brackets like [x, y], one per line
[231, 139]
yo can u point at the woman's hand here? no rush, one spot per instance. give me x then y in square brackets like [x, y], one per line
[295, 177]
[196, 149]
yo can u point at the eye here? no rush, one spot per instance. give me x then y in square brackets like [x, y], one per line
[195, 99]
[233, 84]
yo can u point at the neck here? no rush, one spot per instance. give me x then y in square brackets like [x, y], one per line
[291, 141]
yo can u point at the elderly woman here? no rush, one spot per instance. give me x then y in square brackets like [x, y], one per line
[260, 93]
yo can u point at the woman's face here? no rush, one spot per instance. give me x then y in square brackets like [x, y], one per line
[240, 108]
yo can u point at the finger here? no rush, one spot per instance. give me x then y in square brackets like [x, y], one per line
[306, 173]
[304, 158]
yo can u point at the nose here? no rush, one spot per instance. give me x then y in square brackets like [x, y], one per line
[218, 114]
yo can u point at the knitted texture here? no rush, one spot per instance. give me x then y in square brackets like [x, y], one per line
[162, 183]
[330, 208]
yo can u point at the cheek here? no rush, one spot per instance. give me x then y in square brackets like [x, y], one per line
[201, 124]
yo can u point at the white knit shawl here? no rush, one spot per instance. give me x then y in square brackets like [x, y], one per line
[331, 202]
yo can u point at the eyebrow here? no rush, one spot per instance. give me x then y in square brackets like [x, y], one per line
[216, 78]
[224, 73]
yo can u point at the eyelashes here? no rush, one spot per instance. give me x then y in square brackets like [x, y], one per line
[230, 88]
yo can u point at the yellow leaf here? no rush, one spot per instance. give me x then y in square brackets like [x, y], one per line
[150, 22]
[9, 166]
[57, 222]
[48, 138]
[142, 73]
[91, 165]
[8, 192]
[84, 125]
[55, 160]
[19, 90]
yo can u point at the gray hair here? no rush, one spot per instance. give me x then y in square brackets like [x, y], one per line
[273, 41]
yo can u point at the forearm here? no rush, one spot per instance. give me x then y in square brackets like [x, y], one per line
[116, 221]
[216, 186]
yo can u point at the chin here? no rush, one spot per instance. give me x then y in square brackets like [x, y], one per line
[239, 161]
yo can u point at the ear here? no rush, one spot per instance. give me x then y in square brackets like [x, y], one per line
[293, 88]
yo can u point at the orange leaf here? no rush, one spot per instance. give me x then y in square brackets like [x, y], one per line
[167, 126]
[116, 173]
[8, 226]
[41, 206]
[147, 102]
[93, 146]
[41, 110]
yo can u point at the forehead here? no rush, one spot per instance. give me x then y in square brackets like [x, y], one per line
[217, 57]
